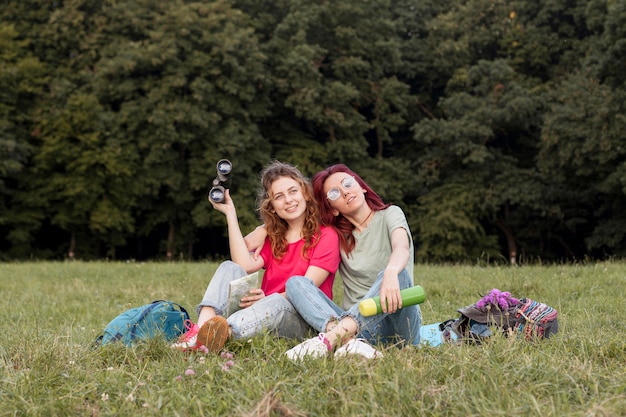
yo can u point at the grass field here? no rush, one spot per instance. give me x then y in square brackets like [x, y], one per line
[51, 313]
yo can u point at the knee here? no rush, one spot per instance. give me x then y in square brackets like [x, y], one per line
[227, 265]
[295, 284]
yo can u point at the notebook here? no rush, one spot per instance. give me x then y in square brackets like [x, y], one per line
[238, 289]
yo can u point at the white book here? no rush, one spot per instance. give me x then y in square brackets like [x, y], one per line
[239, 288]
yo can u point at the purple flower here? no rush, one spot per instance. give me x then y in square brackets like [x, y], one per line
[227, 355]
[190, 372]
[497, 298]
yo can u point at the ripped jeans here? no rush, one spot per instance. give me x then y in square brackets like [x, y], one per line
[273, 313]
[317, 309]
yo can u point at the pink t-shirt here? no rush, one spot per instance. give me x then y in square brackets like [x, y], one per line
[324, 255]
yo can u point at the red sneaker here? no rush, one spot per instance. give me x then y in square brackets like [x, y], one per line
[189, 340]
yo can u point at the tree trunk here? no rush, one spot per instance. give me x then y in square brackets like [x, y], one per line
[510, 241]
[170, 242]
[72, 248]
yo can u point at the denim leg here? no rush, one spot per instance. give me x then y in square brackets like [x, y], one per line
[403, 327]
[404, 324]
[216, 294]
[273, 313]
[313, 305]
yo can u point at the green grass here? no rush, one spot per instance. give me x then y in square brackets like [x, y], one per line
[51, 313]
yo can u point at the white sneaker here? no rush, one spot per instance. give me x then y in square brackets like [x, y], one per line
[358, 347]
[312, 348]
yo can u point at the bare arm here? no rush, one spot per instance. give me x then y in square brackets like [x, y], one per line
[316, 274]
[238, 251]
[390, 288]
[255, 239]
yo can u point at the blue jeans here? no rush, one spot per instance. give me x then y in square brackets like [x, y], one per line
[317, 309]
[273, 313]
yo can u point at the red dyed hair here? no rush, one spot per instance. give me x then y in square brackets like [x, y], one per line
[342, 225]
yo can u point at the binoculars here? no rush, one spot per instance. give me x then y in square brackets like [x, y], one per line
[217, 192]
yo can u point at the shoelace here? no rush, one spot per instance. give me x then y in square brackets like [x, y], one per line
[322, 337]
[188, 325]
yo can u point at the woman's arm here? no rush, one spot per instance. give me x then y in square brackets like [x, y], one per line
[255, 239]
[238, 251]
[390, 299]
[316, 274]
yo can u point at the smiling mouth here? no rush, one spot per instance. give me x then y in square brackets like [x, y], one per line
[291, 209]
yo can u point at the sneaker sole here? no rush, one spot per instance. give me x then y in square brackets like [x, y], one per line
[213, 334]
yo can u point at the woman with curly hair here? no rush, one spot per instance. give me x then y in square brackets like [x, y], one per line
[296, 245]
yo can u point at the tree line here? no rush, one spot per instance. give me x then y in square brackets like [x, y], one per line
[498, 126]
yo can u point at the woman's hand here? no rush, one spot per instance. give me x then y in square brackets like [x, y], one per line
[227, 206]
[390, 299]
[254, 296]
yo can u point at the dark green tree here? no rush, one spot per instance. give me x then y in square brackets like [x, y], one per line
[22, 76]
[185, 81]
[583, 144]
[478, 166]
[334, 70]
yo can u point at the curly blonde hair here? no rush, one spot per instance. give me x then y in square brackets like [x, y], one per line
[277, 227]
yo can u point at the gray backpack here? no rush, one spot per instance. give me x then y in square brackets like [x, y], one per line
[523, 318]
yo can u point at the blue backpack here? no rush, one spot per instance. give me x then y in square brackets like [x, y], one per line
[140, 323]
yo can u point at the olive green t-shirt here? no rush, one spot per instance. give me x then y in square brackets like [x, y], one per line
[360, 269]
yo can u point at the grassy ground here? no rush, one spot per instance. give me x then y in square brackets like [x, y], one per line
[51, 313]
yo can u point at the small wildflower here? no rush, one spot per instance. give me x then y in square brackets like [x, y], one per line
[145, 405]
[104, 396]
[203, 349]
[229, 363]
[178, 378]
[130, 397]
[110, 368]
[201, 359]
[72, 363]
[227, 355]
[190, 372]
[225, 368]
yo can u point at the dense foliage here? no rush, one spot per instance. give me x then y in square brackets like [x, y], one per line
[496, 125]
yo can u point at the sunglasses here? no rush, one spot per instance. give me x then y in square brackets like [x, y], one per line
[346, 184]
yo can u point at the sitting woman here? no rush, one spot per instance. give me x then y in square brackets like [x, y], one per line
[296, 244]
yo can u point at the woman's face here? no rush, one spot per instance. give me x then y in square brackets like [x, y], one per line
[287, 199]
[349, 194]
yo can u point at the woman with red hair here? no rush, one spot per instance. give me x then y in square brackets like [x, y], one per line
[376, 259]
